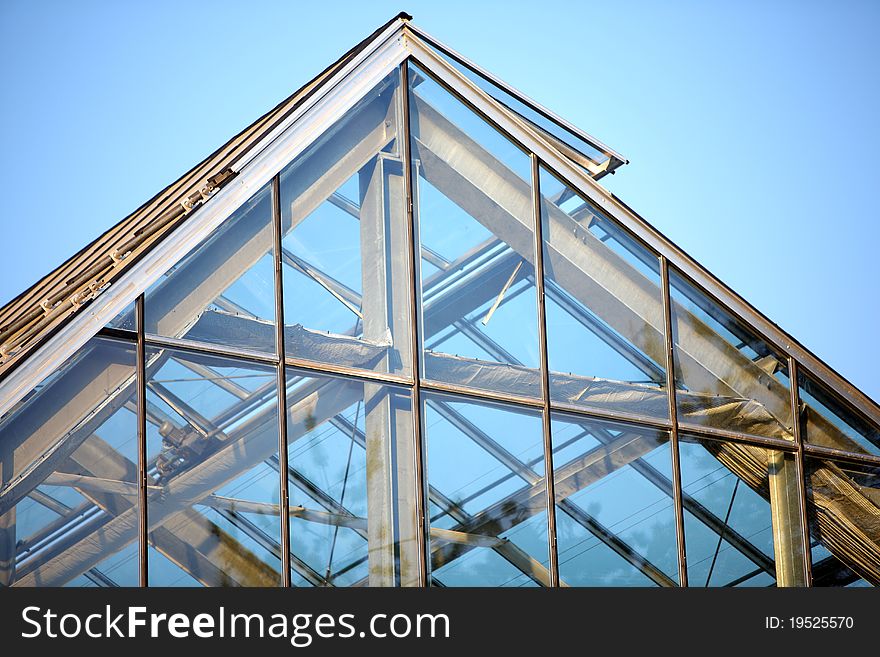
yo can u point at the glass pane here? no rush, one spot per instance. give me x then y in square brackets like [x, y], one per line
[532, 115]
[476, 237]
[485, 470]
[119, 569]
[605, 325]
[68, 473]
[223, 291]
[344, 249]
[843, 508]
[829, 422]
[727, 512]
[726, 376]
[615, 521]
[213, 503]
[125, 319]
[351, 462]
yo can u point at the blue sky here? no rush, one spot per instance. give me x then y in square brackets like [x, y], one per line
[751, 126]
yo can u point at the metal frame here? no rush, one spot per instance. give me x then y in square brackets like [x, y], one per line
[284, 497]
[303, 126]
[801, 470]
[392, 50]
[549, 471]
[673, 418]
[399, 41]
[141, 385]
[415, 344]
[653, 239]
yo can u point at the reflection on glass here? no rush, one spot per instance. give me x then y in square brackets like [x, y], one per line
[68, 473]
[726, 376]
[843, 509]
[827, 421]
[488, 511]
[352, 482]
[615, 521]
[605, 326]
[344, 253]
[213, 504]
[223, 291]
[476, 240]
[728, 523]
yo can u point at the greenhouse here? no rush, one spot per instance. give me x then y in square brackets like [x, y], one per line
[397, 333]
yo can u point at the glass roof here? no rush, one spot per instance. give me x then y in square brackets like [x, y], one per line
[584, 414]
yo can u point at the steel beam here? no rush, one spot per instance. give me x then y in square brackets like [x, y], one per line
[390, 444]
[525, 472]
[506, 549]
[788, 545]
[569, 478]
[196, 545]
[58, 418]
[254, 441]
[41, 430]
[619, 211]
[209, 553]
[587, 268]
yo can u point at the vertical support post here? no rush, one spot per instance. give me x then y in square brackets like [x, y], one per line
[7, 543]
[788, 546]
[392, 517]
[673, 418]
[392, 524]
[545, 371]
[381, 430]
[141, 387]
[413, 252]
[801, 469]
[283, 496]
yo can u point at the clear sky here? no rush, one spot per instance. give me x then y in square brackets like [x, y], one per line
[751, 127]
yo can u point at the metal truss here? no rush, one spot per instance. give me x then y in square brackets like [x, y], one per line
[753, 424]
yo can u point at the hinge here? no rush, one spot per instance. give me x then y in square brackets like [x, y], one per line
[205, 192]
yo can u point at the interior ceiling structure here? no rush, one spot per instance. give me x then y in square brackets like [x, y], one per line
[395, 333]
